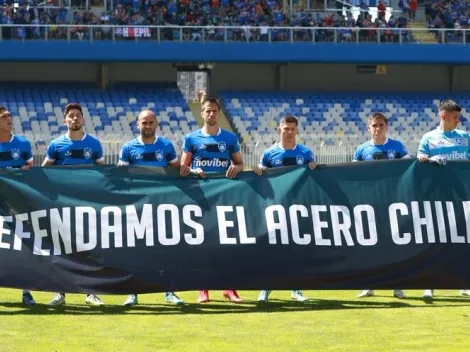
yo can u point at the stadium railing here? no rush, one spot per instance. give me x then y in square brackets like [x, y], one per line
[229, 34]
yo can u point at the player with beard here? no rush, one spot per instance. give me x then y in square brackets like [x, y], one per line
[149, 150]
[212, 149]
[15, 152]
[74, 148]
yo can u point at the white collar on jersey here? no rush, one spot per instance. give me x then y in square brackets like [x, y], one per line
[280, 146]
[206, 135]
[438, 128]
[139, 139]
[386, 141]
[67, 136]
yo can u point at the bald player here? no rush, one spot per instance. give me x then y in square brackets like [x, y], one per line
[149, 150]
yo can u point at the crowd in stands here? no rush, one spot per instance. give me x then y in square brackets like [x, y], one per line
[453, 14]
[267, 16]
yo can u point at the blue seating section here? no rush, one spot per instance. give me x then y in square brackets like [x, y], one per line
[110, 114]
[335, 118]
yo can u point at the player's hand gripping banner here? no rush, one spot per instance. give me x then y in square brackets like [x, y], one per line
[381, 224]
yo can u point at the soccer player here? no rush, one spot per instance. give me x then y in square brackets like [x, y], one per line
[446, 142]
[286, 153]
[15, 152]
[380, 148]
[149, 150]
[74, 148]
[212, 149]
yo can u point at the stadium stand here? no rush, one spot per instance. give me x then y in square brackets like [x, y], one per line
[211, 14]
[110, 114]
[334, 118]
[448, 15]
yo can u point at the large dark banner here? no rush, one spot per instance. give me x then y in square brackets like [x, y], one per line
[380, 224]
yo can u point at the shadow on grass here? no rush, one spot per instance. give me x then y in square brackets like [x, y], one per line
[223, 307]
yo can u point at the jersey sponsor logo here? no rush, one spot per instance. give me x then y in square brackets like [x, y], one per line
[139, 157]
[299, 160]
[222, 146]
[87, 153]
[159, 155]
[15, 154]
[278, 162]
[452, 142]
[391, 154]
[455, 155]
[215, 162]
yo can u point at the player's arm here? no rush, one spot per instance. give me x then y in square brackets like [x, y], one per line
[357, 154]
[186, 157]
[404, 152]
[51, 155]
[99, 155]
[185, 164]
[172, 158]
[237, 160]
[311, 161]
[29, 158]
[123, 156]
[423, 150]
[237, 165]
[468, 144]
[263, 164]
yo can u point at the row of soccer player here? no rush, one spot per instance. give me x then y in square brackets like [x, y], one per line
[212, 149]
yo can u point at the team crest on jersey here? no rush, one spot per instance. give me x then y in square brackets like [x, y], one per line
[159, 155]
[222, 146]
[87, 153]
[299, 160]
[391, 154]
[458, 141]
[15, 154]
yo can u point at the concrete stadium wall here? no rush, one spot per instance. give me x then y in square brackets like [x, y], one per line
[334, 77]
[141, 72]
[48, 72]
[242, 77]
[344, 77]
[461, 78]
[85, 72]
[251, 76]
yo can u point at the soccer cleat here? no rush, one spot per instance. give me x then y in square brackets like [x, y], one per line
[297, 295]
[399, 294]
[232, 295]
[465, 292]
[58, 300]
[28, 299]
[170, 297]
[264, 295]
[203, 296]
[366, 293]
[131, 300]
[93, 300]
[428, 293]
